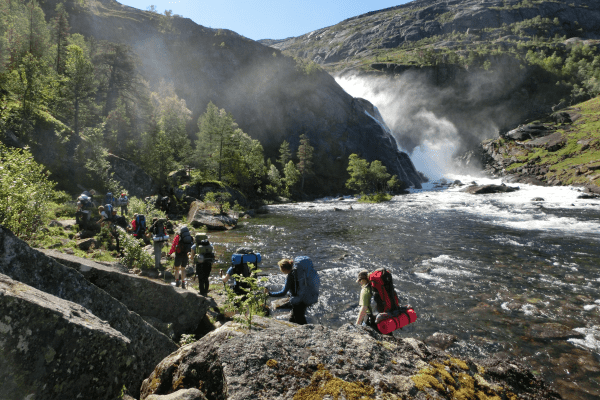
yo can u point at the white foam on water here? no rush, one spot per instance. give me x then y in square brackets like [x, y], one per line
[591, 340]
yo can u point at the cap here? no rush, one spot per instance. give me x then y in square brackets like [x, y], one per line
[364, 274]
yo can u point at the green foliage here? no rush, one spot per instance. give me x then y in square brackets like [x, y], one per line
[25, 193]
[140, 206]
[305, 156]
[375, 198]
[285, 154]
[134, 255]
[220, 200]
[365, 176]
[187, 339]
[306, 67]
[255, 301]
[291, 176]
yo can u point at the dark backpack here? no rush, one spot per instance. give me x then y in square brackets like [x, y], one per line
[384, 294]
[109, 199]
[186, 241]
[307, 282]
[159, 227]
[240, 260]
[140, 225]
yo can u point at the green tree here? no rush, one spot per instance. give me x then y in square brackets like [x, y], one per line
[116, 71]
[60, 34]
[79, 87]
[158, 156]
[216, 128]
[378, 176]
[358, 169]
[275, 181]
[25, 192]
[172, 114]
[305, 155]
[285, 154]
[291, 176]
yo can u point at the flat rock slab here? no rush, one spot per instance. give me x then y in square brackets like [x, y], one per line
[199, 216]
[146, 346]
[488, 189]
[184, 309]
[316, 362]
[52, 348]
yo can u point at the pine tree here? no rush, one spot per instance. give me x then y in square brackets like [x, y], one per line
[305, 155]
[80, 85]
[214, 137]
[285, 154]
[60, 33]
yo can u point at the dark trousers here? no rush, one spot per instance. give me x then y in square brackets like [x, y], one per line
[297, 315]
[203, 272]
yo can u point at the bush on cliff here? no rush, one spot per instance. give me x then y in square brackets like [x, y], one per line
[25, 193]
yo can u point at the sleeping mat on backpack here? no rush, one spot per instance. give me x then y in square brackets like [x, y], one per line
[389, 325]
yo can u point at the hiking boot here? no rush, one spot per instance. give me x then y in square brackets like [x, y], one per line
[183, 285]
[177, 283]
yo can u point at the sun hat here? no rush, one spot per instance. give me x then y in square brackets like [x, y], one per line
[364, 274]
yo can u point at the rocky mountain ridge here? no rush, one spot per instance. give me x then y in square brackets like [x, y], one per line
[347, 43]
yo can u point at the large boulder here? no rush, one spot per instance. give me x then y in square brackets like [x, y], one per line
[488, 189]
[146, 346]
[199, 215]
[287, 361]
[182, 309]
[51, 348]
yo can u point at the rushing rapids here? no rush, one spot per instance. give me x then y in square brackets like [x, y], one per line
[503, 273]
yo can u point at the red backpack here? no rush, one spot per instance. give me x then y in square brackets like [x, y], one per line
[391, 315]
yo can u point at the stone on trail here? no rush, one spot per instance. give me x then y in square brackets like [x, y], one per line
[279, 360]
[145, 347]
[51, 348]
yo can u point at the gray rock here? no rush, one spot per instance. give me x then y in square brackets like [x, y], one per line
[488, 189]
[51, 348]
[441, 340]
[284, 362]
[135, 181]
[86, 244]
[183, 309]
[199, 216]
[146, 346]
[184, 394]
[552, 331]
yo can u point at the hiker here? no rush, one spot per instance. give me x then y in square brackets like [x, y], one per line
[239, 266]
[123, 202]
[158, 230]
[366, 312]
[182, 244]
[203, 255]
[104, 219]
[85, 200]
[302, 283]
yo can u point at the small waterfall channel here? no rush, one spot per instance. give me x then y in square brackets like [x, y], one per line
[504, 274]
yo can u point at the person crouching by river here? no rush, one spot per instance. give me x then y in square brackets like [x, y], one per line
[366, 313]
[298, 307]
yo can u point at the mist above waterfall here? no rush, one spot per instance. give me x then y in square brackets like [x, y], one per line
[421, 120]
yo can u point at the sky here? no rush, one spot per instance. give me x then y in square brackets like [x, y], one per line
[266, 19]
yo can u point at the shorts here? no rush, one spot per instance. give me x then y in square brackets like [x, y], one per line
[181, 260]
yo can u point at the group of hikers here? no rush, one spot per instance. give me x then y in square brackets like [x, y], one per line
[302, 281]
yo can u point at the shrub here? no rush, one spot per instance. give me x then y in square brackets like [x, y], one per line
[255, 301]
[25, 193]
[134, 255]
[139, 206]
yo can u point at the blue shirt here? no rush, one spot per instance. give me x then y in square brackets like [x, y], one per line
[289, 286]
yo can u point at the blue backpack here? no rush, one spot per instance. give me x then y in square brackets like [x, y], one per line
[307, 282]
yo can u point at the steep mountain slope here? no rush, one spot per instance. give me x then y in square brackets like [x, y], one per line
[442, 24]
[480, 67]
[271, 96]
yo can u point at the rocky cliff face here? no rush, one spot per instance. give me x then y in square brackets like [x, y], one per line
[362, 36]
[271, 96]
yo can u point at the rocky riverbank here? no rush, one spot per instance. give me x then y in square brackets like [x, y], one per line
[71, 327]
[560, 149]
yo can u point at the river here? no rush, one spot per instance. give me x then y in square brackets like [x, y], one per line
[504, 274]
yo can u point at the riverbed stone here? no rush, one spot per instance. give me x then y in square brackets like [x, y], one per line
[183, 394]
[183, 309]
[313, 361]
[441, 340]
[52, 348]
[552, 331]
[145, 347]
[488, 189]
